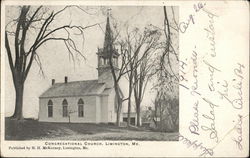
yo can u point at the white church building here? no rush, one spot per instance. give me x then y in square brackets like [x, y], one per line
[88, 101]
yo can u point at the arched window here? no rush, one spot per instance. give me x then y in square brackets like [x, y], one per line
[50, 108]
[65, 108]
[80, 108]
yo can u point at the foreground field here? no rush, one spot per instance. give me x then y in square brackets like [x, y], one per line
[34, 130]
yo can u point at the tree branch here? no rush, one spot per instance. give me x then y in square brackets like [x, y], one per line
[7, 46]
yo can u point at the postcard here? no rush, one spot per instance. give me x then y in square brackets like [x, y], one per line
[124, 78]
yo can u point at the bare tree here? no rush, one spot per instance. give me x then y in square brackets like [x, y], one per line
[113, 39]
[34, 22]
[131, 55]
[167, 76]
[121, 71]
[143, 66]
[141, 79]
[135, 49]
[116, 79]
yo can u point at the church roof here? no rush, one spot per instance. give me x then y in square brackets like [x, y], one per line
[76, 88]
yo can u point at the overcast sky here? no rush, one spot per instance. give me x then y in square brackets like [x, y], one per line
[55, 58]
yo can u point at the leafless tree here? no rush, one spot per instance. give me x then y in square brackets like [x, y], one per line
[135, 50]
[165, 65]
[167, 76]
[115, 39]
[142, 71]
[121, 71]
[29, 31]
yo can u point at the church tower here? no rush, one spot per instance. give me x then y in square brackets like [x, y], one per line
[104, 55]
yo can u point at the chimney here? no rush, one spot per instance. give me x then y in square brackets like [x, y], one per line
[65, 79]
[53, 81]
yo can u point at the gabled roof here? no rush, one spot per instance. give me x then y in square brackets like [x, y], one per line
[76, 88]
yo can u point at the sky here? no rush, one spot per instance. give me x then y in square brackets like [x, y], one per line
[55, 59]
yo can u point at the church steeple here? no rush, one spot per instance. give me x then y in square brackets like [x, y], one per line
[108, 46]
[108, 40]
[105, 54]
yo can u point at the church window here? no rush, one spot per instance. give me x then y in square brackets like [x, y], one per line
[80, 108]
[65, 108]
[50, 108]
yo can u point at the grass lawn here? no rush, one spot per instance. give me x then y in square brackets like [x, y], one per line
[34, 130]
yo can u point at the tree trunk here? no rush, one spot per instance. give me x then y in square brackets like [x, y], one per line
[119, 106]
[118, 119]
[18, 114]
[161, 123]
[129, 100]
[129, 110]
[118, 113]
[138, 115]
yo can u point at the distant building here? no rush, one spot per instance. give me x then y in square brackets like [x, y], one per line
[88, 101]
[133, 118]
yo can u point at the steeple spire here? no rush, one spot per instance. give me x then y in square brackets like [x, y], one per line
[105, 55]
[108, 41]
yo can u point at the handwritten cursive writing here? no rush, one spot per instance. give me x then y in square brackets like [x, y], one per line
[212, 70]
[183, 26]
[210, 31]
[224, 91]
[238, 102]
[194, 87]
[211, 117]
[194, 124]
[205, 151]
[238, 128]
